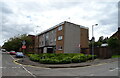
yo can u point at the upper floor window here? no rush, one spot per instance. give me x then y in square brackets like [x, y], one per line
[60, 37]
[47, 35]
[59, 28]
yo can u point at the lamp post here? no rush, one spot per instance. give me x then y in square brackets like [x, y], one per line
[93, 40]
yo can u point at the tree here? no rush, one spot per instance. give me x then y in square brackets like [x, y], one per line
[113, 43]
[15, 43]
[100, 39]
[105, 40]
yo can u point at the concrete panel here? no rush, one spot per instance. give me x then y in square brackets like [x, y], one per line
[71, 38]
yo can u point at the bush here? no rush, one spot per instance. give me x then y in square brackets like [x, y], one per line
[60, 58]
[65, 60]
[76, 59]
[49, 61]
[34, 57]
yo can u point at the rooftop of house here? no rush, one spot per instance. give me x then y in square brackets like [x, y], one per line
[116, 33]
[59, 25]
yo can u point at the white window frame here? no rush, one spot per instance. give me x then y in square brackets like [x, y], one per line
[59, 28]
[60, 37]
[55, 39]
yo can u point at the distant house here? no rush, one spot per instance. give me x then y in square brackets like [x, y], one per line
[65, 37]
[117, 34]
[30, 48]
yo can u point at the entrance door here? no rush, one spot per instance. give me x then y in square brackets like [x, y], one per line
[49, 50]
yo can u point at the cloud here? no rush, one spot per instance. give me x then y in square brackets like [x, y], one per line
[4, 8]
[19, 17]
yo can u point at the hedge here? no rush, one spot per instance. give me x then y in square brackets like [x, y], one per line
[61, 58]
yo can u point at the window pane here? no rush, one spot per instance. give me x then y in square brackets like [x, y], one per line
[60, 28]
[59, 37]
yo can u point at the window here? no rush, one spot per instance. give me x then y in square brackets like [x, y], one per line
[59, 37]
[55, 39]
[47, 36]
[42, 42]
[52, 31]
[60, 28]
[59, 47]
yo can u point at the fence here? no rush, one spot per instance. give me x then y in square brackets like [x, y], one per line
[102, 52]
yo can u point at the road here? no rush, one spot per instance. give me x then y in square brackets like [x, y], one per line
[9, 68]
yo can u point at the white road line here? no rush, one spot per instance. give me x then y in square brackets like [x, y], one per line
[91, 74]
[15, 67]
[12, 57]
[2, 67]
[25, 68]
[113, 69]
[8, 67]
[28, 71]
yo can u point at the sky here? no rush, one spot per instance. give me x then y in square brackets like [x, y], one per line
[34, 16]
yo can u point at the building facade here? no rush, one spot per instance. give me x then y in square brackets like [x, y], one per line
[65, 37]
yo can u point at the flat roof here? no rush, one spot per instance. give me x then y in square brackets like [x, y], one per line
[59, 25]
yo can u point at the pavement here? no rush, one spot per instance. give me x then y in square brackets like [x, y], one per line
[26, 61]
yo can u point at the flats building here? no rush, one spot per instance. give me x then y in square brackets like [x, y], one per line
[65, 37]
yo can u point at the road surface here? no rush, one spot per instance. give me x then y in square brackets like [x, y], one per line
[9, 68]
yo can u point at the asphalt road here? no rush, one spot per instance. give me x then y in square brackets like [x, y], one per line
[9, 68]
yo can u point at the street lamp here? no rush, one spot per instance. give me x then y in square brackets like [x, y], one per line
[93, 41]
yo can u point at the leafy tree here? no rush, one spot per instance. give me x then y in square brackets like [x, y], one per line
[114, 43]
[105, 40]
[100, 39]
[15, 43]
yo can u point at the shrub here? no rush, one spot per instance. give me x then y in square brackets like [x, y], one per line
[60, 58]
[76, 59]
[65, 60]
[34, 57]
[49, 61]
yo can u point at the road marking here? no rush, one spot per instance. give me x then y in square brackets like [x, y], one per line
[12, 57]
[28, 71]
[113, 69]
[24, 68]
[15, 61]
[91, 74]
[8, 67]
[15, 67]
[2, 67]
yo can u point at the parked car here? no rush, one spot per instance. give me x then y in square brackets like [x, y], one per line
[19, 54]
[12, 52]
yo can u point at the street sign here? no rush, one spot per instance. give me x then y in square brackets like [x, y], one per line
[23, 47]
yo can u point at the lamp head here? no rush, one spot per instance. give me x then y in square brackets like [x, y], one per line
[96, 24]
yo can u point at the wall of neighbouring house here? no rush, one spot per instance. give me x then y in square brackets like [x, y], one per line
[84, 40]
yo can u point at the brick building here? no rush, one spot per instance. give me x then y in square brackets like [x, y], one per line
[65, 37]
[117, 34]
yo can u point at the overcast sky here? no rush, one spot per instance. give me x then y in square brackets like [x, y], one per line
[32, 17]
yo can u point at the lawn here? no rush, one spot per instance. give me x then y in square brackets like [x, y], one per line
[116, 56]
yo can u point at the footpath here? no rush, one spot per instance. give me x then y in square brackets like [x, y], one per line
[27, 61]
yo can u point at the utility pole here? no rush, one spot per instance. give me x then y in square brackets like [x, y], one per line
[93, 40]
